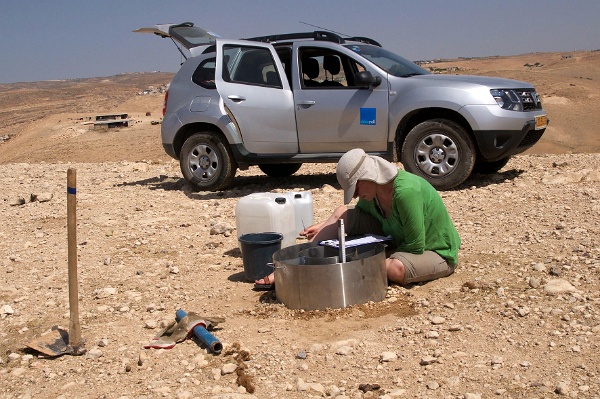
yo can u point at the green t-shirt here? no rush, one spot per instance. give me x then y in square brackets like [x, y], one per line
[419, 220]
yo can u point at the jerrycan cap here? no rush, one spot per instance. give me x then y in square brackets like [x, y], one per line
[280, 200]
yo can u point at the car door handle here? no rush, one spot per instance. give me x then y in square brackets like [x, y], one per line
[306, 104]
[236, 99]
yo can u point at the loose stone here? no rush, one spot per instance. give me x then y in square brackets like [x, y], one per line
[556, 271]
[432, 335]
[344, 350]
[6, 310]
[561, 389]
[534, 282]
[94, 353]
[16, 201]
[427, 360]
[388, 357]
[558, 286]
[228, 368]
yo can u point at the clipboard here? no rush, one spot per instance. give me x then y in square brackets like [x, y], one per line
[357, 241]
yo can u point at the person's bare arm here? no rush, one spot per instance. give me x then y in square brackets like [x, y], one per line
[326, 230]
[312, 230]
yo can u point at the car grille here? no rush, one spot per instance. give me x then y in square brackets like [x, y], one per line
[531, 138]
[530, 100]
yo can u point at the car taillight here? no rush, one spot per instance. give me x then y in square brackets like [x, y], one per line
[165, 102]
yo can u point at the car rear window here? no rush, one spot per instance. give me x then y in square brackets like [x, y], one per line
[204, 75]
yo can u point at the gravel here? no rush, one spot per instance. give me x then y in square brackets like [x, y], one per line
[519, 319]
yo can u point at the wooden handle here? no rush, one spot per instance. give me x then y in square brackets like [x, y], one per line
[74, 327]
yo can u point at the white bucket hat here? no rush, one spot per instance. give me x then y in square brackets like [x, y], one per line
[357, 165]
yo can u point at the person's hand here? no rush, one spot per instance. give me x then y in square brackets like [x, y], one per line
[311, 231]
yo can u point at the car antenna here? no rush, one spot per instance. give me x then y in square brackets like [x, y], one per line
[328, 30]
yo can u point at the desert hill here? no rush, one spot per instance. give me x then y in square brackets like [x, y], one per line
[43, 120]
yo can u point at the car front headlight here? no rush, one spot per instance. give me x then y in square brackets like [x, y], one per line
[507, 99]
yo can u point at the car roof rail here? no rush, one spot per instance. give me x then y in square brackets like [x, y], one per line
[363, 39]
[316, 35]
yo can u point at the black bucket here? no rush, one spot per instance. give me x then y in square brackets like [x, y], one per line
[257, 253]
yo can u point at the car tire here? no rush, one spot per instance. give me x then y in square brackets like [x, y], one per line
[440, 151]
[484, 167]
[206, 161]
[280, 170]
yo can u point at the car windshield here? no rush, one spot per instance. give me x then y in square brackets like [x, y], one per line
[388, 61]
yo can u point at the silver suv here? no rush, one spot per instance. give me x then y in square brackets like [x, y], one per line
[279, 101]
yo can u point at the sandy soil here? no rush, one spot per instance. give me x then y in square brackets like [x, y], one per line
[518, 319]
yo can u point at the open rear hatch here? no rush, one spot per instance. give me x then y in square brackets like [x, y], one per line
[184, 34]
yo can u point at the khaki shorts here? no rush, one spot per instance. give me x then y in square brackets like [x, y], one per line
[417, 267]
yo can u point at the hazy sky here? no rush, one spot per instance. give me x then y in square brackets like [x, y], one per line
[66, 39]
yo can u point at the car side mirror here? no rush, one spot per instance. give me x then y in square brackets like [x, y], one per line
[366, 79]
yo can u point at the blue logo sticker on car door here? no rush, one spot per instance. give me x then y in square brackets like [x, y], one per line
[368, 116]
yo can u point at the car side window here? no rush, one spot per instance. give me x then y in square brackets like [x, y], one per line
[204, 75]
[250, 65]
[326, 69]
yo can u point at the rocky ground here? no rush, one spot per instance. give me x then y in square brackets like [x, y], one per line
[520, 318]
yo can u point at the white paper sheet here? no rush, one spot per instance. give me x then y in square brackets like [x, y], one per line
[367, 239]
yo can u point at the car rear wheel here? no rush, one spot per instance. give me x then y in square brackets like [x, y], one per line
[440, 151]
[207, 162]
[280, 170]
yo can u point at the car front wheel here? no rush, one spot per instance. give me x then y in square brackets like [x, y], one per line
[440, 151]
[207, 162]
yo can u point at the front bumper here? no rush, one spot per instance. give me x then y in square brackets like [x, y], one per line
[501, 133]
[497, 144]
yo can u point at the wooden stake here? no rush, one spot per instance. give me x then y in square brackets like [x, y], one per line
[74, 327]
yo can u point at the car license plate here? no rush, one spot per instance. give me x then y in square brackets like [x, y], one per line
[541, 122]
